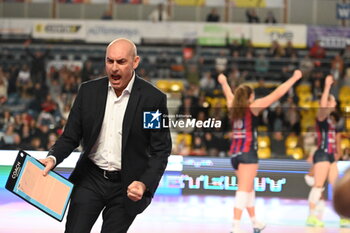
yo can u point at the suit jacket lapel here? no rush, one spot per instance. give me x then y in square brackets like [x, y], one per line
[130, 110]
[100, 106]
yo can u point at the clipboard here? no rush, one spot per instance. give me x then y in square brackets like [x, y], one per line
[50, 194]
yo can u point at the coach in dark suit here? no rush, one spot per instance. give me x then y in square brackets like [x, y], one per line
[121, 163]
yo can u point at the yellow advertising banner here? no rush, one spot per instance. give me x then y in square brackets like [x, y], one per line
[190, 2]
[249, 3]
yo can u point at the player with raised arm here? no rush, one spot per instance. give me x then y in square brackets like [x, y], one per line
[244, 110]
[327, 153]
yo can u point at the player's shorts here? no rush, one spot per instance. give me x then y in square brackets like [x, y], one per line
[244, 157]
[321, 156]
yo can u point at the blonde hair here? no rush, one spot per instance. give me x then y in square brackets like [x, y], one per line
[241, 101]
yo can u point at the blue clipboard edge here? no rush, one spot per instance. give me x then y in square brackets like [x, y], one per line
[16, 173]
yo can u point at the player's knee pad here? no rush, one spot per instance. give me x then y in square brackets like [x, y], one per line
[251, 199]
[241, 200]
[315, 194]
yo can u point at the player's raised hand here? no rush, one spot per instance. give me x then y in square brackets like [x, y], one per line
[297, 74]
[329, 80]
[222, 79]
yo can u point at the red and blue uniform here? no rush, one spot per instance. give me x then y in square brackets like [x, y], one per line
[244, 139]
[326, 141]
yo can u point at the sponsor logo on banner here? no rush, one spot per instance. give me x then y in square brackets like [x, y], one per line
[190, 2]
[330, 37]
[216, 34]
[263, 35]
[104, 32]
[258, 3]
[57, 28]
[279, 33]
[250, 3]
[343, 11]
[61, 29]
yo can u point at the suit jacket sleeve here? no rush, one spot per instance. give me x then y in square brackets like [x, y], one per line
[70, 139]
[160, 149]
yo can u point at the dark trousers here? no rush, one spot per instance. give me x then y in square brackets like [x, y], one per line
[93, 194]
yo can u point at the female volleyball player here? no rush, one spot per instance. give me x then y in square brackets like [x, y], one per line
[328, 151]
[244, 110]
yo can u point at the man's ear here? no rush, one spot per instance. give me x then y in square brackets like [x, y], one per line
[136, 62]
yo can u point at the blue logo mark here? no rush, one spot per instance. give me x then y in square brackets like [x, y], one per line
[151, 120]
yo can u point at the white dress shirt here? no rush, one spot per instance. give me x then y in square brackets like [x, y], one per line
[107, 151]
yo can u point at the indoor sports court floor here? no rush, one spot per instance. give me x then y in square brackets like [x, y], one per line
[181, 214]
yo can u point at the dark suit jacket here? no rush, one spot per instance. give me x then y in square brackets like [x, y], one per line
[144, 152]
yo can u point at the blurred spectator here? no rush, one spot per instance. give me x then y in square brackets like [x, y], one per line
[192, 74]
[252, 17]
[51, 140]
[163, 65]
[309, 138]
[234, 46]
[346, 79]
[55, 89]
[35, 144]
[24, 75]
[207, 83]
[277, 119]
[261, 65]
[261, 90]
[107, 15]
[316, 51]
[306, 66]
[221, 62]
[24, 83]
[292, 117]
[276, 50]
[317, 89]
[3, 87]
[8, 137]
[182, 147]
[198, 147]
[12, 80]
[87, 73]
[278, 148]
[188, 107]
[213, 16]
[159, 14]
[290, 51]
[211, 144]
[15, 143]
[25, 133]
[43, 134]
[270, 18]
[248, 49]
[70, 86]
[337, 67]
[38, 63]
[346, 52]
[6, 119]
[65, 111]
[49, 105]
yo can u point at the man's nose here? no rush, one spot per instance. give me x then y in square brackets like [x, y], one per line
[115, 66]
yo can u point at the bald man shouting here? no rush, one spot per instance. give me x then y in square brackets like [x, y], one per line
[122, 163]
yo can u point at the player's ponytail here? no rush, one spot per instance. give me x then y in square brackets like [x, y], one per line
[241, 101]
